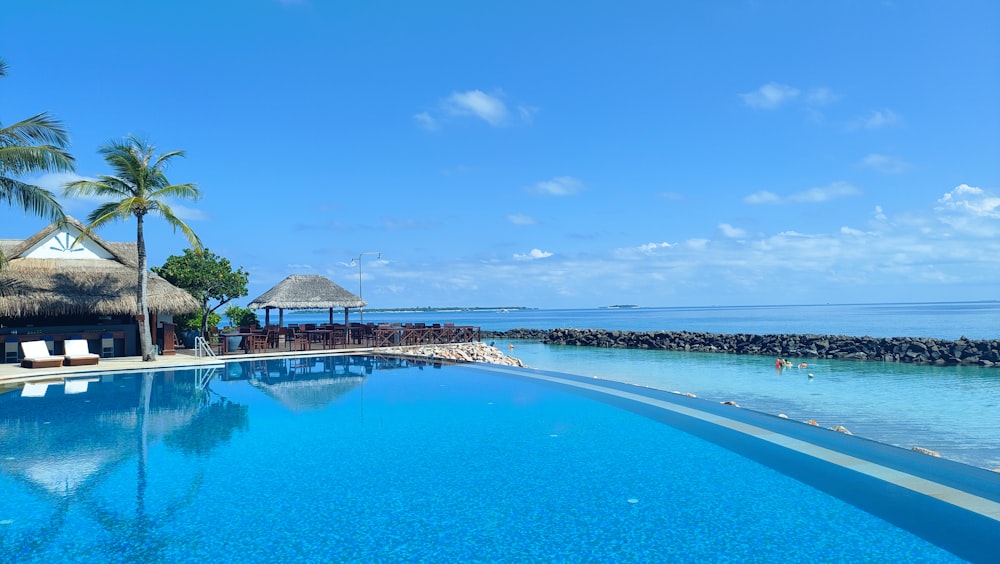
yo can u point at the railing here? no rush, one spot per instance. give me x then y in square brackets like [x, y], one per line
[390, 336]
[202, 347]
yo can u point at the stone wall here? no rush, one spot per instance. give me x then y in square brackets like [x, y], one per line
[889, 349]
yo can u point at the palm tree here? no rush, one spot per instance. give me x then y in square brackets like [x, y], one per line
[36, 144]
[136, 189]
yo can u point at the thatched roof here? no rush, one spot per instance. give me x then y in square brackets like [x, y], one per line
[92, 286]
[306, 291]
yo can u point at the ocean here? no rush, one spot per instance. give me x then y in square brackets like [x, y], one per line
[953, 410]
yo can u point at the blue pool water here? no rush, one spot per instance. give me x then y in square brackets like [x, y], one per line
[358, 459]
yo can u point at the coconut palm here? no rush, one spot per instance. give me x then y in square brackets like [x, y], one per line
[37, 144]
[137, 188]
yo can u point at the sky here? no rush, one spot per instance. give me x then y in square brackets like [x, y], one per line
[552, 154]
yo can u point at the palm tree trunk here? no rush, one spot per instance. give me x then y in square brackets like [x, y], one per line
[145, 336]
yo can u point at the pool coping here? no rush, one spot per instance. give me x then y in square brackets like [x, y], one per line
[953, 505]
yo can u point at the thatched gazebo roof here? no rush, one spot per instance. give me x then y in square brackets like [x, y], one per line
[306, 291]
[101, 283]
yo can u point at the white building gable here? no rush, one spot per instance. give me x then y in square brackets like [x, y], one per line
[60, 245]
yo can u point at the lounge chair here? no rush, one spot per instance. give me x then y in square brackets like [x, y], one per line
[78, 353]
[36, 355]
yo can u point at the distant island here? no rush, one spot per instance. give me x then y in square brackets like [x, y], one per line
[418, 309]
[621, 306]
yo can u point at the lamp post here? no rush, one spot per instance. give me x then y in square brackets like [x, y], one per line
[361, 310]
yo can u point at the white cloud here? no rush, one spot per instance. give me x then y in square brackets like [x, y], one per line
[763, 197]
[851, 231]
[296, 266]
[885, 164]
[534, 254]
[811, 196]
[879, 214]
[650, 247]
[521, 219]
[821, 96]
[559, 186]
[825, 193]
[55, 181]
[732, 232]
[972, 200]
[970, 210]
[490, 109]
[877, 119]
[769, 96]
[426, 121]
[188, 214]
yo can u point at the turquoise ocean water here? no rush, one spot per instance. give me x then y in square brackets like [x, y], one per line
[952, 410]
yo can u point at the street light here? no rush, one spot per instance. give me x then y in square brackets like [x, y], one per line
[361, 310]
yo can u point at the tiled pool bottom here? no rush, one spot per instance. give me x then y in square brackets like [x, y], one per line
[350, 459]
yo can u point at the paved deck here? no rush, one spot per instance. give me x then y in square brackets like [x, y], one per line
[13, 375]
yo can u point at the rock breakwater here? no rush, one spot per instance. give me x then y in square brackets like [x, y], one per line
[886, 349]
[460, 352]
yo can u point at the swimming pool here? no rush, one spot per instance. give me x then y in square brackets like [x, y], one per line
[360, 459]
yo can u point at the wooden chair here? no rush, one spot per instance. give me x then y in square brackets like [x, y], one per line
[297, 340]
[258, 343]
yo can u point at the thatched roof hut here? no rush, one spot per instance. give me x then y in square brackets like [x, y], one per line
[306, 291]
[51, 276]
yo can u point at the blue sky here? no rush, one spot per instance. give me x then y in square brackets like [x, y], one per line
[547, 154]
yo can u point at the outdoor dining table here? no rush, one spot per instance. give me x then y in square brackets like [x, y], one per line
[325, 336]
[244, 342]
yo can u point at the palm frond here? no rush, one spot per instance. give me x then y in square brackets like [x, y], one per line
[24, 159]
[161, 208]
[30, 198]
[187, 191]
[38, 129]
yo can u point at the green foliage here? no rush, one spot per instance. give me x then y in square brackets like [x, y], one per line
[208, 277]
[241, 316]
[192, 321]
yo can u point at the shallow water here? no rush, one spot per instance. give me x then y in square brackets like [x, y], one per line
[954, 410]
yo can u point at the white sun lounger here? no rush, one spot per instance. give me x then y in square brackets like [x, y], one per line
[78, 353]
[36, 355]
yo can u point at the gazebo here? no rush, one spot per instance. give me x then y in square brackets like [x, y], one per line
[305, 291]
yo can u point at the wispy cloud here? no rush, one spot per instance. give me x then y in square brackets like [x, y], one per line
[189, 214]
[770, 96]
[558, 186]
[821, 97]
[825, 193]
[885, 164]
[533, 254]
[732, 232]
[521, 219]
[819, 194]
[426, 121]
[877, 119]
[763, 197]
[490, 108]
